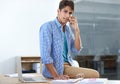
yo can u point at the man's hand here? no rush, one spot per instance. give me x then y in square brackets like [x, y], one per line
[62, 77]
[74, 23]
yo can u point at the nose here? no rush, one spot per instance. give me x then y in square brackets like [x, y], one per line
[68, 16]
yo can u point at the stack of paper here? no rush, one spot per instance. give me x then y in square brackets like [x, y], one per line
[94, 81]
[69, 81]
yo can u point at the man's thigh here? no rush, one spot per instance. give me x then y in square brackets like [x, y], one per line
[74, 71]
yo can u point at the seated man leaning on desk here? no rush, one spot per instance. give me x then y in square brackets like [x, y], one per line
[57, 42]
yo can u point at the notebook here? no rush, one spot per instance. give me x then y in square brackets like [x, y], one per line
[27, 79]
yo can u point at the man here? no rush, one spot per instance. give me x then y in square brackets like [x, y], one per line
[57, 42]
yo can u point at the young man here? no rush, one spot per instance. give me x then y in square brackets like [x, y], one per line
[57, 42]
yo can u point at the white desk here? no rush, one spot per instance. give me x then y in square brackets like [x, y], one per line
[9, 80]
[114, 82]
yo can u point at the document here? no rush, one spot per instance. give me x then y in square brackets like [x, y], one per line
[69, 81]
[94, 81]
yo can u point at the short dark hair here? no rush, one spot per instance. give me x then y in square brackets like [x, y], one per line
[64, 3]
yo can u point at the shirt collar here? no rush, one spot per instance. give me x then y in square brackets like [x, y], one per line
[59, 25]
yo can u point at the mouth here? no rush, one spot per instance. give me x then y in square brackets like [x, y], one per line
[66, 19]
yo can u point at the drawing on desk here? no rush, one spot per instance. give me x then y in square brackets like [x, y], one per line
[27, 79]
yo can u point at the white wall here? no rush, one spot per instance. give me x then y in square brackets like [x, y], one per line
[20, 21]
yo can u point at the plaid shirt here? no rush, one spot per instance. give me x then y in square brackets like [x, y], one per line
[51, 46]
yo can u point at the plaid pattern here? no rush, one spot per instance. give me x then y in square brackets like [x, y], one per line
[51, 46]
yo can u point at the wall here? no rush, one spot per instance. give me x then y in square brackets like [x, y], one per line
[19, 27]
[99, 26]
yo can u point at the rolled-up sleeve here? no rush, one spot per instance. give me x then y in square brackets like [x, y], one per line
[73, 49]
[45, 36]
[71, 39]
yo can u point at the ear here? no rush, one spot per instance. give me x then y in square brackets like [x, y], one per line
[58, 10]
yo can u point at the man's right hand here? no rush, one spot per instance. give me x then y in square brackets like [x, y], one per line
[62, 77]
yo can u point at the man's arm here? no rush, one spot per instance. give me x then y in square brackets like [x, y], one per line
[77, 41]
[52, 70]
[54, 73]
[74, 24]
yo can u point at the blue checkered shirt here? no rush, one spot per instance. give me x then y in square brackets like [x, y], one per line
[51, 46]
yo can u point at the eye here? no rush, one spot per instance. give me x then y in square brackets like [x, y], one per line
[65, 11]
[70, 13]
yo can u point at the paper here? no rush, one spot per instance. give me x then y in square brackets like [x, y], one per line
[69, 81]
[94, 81]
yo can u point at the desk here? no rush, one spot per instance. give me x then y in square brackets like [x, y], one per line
[9, 80]
[114, 82]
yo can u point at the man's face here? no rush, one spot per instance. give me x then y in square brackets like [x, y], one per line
[64, 14]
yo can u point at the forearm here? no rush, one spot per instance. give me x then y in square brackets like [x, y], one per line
[74, 24]
[77, 41]
[54, 73]
[52, 70]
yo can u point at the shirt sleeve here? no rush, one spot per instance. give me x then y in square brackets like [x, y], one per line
[74, 50]
[45, 35]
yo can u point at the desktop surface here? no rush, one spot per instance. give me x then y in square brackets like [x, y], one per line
[10, 80]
